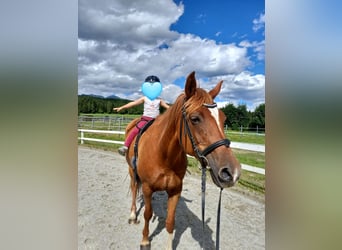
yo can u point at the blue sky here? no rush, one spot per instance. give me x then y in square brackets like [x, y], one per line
[224, 22]
[121, 42]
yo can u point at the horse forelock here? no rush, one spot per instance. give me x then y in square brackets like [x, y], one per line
[197, 100]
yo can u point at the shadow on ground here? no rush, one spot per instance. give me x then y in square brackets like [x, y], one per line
[185, 219]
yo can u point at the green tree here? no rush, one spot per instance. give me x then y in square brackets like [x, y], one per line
[243, 115]
[258, 117]
[109, 107]
[240, 116]
[231, 114]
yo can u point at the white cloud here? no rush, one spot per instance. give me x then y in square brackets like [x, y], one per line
[243, 86]
[190, 52]
[121, 42]
[128, 22]
[171, 92]
[257, 47]
[259, 23]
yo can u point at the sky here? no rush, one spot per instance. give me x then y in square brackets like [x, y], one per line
[121, 42]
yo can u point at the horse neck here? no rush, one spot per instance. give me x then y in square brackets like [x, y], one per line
[170, 124]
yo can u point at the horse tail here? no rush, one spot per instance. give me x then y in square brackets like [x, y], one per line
[135, 171]
[137, 180]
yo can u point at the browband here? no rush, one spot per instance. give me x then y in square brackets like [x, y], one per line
[214, 105]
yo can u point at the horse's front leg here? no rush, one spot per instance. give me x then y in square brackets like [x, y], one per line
[145, 243]
[134, 190]
[170, 219]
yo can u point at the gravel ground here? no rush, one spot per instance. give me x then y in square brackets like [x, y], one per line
[104, 208]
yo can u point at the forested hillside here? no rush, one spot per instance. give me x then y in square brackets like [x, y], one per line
[236, 116]
[100, 105]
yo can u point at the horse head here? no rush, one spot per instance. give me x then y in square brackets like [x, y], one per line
[204, 130]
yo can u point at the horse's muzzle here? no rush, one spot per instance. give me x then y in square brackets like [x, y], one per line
[225, 178]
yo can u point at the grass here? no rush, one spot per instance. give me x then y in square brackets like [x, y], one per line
[246, 137]
[253, 182]
[256, 159]
[249, 181]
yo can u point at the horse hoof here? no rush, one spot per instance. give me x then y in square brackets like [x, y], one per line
[145, 247]
[133, 221]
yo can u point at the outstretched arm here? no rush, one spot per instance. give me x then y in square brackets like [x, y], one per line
[163, 104]
[130, 104]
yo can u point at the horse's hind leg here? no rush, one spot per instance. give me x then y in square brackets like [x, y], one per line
[134, 190]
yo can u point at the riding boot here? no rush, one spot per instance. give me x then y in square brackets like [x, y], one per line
[122, 150]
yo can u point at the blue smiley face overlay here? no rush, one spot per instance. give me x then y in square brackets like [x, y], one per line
[151, 89]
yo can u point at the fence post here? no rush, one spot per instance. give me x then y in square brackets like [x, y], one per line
[110, 119]
[82, 136]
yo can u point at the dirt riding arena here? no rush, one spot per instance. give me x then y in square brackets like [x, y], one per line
[104, 208]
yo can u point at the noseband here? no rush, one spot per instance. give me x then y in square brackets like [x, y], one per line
[201, 155]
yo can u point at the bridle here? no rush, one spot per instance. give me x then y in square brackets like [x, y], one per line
[201, 156]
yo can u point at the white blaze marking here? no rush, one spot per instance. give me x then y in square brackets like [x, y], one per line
[215, 113]
[235, 175]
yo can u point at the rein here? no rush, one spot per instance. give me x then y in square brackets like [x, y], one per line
[201, 155]
[135, 157]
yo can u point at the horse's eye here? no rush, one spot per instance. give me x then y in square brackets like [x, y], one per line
[195, 119]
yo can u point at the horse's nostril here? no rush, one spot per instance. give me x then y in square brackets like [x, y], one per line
[225, 175]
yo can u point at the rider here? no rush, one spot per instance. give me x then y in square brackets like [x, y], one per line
[151, 111]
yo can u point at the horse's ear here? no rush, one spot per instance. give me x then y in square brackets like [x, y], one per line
[214, 92]
[190, 85]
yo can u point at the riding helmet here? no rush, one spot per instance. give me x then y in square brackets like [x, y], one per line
[152, 79]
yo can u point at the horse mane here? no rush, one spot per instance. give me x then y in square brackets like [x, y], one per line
[192, 104]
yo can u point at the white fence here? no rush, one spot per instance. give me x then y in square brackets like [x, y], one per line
[119, 122]
[82, 138]
[245, 146]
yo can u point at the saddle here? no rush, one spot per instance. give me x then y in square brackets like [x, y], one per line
[135, 157]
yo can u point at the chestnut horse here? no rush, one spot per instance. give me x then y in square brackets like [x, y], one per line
[192, 125]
